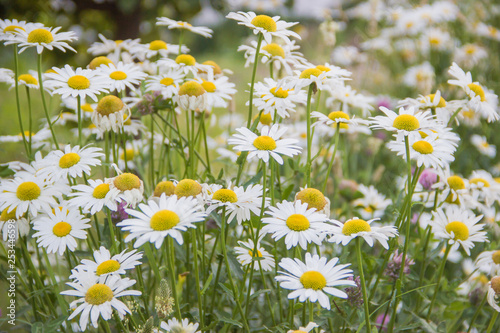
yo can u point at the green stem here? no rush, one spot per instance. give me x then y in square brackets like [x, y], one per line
[205, 142]
[330, 165]
[111, 231]
[171, 268]
[478, 311]
[197, 277]
[440, 275]
[44, 103]
[79, 110]
[30, 124]
[366, 301]
[309, 136]
[16, 85]
[492, 322]
[151, 154]
[254, 71]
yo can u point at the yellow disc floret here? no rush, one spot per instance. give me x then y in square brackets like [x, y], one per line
[28, 79]
[323, 68]
[157, 45]
[108, 266]
[495, 284]
[191, 88]
[280, 93]
[495, 256]
[406, 122]
[164, 220]
[478, 90]
[478, 180]
[297, 222]
[208, 86]
[127, 181]
[40, 36]
[28, 191]
[61, 229]
[459, 229]
[100, 191]
[307, 73]
[98, 61]
[423, 147]
[118, 75]
[274, 49]
[109, 104]
[187, 188]
[313, 198]
[7, 216]
[68, 160]
[266, 119]
[265, 22]
[442, 102]
[185, 59]
[456, 183]
[98, 294]
[166, 81]
[354, 226]
[264, 142]
[225, 195]
[338, 115]
[216, 68]
[313, 280]
[166, 187]
[12, 28]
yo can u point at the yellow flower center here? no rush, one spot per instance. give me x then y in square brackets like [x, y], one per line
[100, 191]
[187, 188]
[307, 73]
[280, 93]
[40, 36]
[157, 45]
[191, 88]
[478, 90]
[12, 28]
[118, 75]
[184, 24]
[259, 254]
[98, 294]
[338, 115]
[185, 59]
[109, 104]
[264, 142]
[87, 107]
[274, 49]
[265, 22]
[459, 229]
[28, 191]
[480, 180]
[323, 68]
[442, 102]
[166, 187]
[108, 266]
[164, 220]
[495, 284]
[128, 153]
[61, 229]
[217, 69]
[297, 222]
[313, 198]
[28, 79]
[78, 82]
[266, 119]
[313, 280]
[423, 147]
[127, 181]
[495, 256]
[354, 226]
[299, 331]
[8, 216]
[208, 86]
[166, 81]
[98, 61]
[406, 122]
[68, 160]
[225, 195]
[456, 183]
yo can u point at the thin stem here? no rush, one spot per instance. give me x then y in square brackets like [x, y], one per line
[44, 103]
[79, 111]
[330, 165]
[171, 268]
[111, 231]
[366, 301]
[478, 311]
[492, 322]
[254, 71]
[309, 136]
[204, 131]
[16, 85]
[440, 275]
[30, 124]
[151, 153]
[197, 277]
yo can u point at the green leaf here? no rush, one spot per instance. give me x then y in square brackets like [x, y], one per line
[207, 283]
[231, 321]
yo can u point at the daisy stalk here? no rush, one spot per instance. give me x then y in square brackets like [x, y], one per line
[171, 268]
[16, 85]
[492, 322]
[44, 103]
[30, 123]
[252, 83]
[80, 124]
[330, 165]
[366, 300]
[440, 275]
[309, 136]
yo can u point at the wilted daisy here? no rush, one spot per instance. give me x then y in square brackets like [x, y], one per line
[110, 114]
[168, 217]
[407, 123]
[458, 227]
[72, 162]
[167, 82]
[489, 261]
[298, 224]
[192, 96]
[268, 144]
[59, 229]
[268, 26]
[483, 146]
[80, 82]
[494, 292]
[98, 299]
[277, 97]
[172, 24]
[93, 197]
[122, 76]
[130, 186]
[314, 279]
[246, 255]
[42, 38]
[314, 199]
[355, 227]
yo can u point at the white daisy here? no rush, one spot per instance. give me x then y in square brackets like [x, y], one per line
[168, 217]
[8, 28]
[246, 256]
[314, 279]
[167, 82]
[122, 76]
[489, 262]
[114, 50]
[42, 38]
[157, 48]
[298, 224]
[80, 82]
[355, 227]
[130, 186]
[268, 144]
[10, 224]
[28, 79]
[172, 24]
[219, 91]
[455, 189]
[484, 187]
[272, 96]
[482, 145]
[458, 227]
[494, 292]
[72, 162]
[59, 229]
[306, 329]
[372, 204]
[110, 114]
[349, 97]
[98, 299]
[186, 63]
[93, 197]
[337, 117]
[268, 26]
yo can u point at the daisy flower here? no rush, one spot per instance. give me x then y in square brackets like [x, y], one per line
[98, 299]
[72, 162]
[186, 63]
[298, 224]
[494, 293]
[114, 50]
[355, 227]
[42, 38]
[489, 261]
[483, 146]
[484, 187]
[268, 26]
[110, 114]
[9, 221]
[122, 76]
[306, 329]
[455, 189]
[167, 82]
[157, 48]
[272, 96]
[31, 193]
[349, 97]
[8, 28]
[29, 80]
[246, 256]
[59, 229]
[337, 117]
[192, 96]
[172, 24]
[238, 201]
[130, 186]
[314, 198]
[80, 82]
[372, 204]
[459, 227]
[314, 279]
[219, 91]
[93, 197]
[168, 217]
[268, 144]
[105, 265]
